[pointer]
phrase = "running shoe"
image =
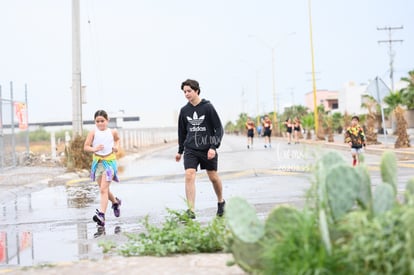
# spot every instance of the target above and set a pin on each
(220, 208)
(115, 207)
(99, 218)
(354, 162)
(190, 214)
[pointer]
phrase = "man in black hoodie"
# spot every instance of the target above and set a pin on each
(199, 135)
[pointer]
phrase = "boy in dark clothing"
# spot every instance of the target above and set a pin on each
(199, 135)
(355, 137)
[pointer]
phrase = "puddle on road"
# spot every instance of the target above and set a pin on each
(55, 224)
(62, 244)
(44, 227)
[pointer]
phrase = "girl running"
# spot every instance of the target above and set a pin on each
(103, 142)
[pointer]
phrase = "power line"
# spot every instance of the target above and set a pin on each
(391, 53)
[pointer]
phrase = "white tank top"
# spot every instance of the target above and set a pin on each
(103, 137)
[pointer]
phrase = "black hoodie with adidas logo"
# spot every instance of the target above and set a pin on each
(199, 127)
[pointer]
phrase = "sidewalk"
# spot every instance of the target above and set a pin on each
(208, 263)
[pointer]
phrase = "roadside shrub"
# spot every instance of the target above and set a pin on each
(178, 234)
(75, 156)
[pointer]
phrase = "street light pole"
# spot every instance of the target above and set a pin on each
(257, 90)
(315, 107)
(76, 71)
(274, 93)
(257, 98)
(272, 48)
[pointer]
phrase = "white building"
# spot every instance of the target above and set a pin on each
(350, 98)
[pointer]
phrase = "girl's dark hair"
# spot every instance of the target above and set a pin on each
(355, 117)
(101, 113)
(192, 83)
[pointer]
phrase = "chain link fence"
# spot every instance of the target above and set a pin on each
(13, 128)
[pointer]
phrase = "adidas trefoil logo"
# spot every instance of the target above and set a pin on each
(196, 121)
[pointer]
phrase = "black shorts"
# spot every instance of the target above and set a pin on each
(250, 133)
(267, 132)
(193, 158)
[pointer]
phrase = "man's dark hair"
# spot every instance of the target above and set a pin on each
(355, 117)
(192, 83)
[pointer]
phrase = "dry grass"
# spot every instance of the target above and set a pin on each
(73, 157)
(41, 147)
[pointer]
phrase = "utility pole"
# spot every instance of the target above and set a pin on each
(76, 72)
(315, 106)
(276, 126)
(1, 132)
(257, 97)
(390, 51)
(27, 119)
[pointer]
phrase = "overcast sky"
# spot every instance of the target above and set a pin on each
(135, 53)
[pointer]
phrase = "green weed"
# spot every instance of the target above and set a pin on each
(178, 234)
(107, 246)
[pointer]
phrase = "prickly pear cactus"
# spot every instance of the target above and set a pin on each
(242, 220)
(331, 158)
(324, 229)
(364, 194)
(383, 199)
(342, 186)
(247, 233)
(281, 220)
(325, 163)
(389, 169)
(407, 219)
(322, 167)
(409, 192)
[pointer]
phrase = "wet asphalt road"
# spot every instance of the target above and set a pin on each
(55, 224)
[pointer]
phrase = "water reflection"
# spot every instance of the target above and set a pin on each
(50, 225)
(101, 231)
(81, 194)
(27, 248)
(16, 248)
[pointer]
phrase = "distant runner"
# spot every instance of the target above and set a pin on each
(250, 132)
(267, 128)
(355, 137)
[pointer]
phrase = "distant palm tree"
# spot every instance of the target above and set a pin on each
(322, 125)
(374, 109)
(408, 92)
(371, 104)
(308, 124)
(337, 122)
(241, 123)
(295, 111)
(393, 100)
